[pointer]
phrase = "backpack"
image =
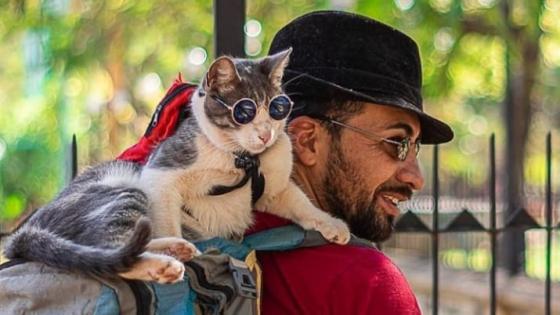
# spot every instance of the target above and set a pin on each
(225, 280)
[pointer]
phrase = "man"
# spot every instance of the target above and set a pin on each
(356, 128)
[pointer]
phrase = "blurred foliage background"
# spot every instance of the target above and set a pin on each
(97, 69)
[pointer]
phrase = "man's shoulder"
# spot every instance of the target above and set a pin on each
(330, 256)
(331, 279)
(361, 259)
(336, 279)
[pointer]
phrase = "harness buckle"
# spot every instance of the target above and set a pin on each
(243, 279)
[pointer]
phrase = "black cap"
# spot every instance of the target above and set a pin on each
(354, 54)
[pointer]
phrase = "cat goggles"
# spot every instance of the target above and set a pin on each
(245, 110)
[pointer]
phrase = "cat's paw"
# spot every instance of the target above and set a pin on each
(182, 250)
(334, 230)
(174, 246)
(167, 270)
(156, 267)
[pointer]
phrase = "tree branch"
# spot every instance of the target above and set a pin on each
(478, 25)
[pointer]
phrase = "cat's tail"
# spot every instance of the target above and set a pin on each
(40, 245)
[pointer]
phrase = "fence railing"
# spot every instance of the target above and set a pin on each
(466, 222)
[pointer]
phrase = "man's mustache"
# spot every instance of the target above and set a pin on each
(398, 189)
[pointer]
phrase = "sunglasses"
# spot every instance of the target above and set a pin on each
(401, 148)
(244, 110)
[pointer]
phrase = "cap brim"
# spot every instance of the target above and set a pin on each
(433, 130)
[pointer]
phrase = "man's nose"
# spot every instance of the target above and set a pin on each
(409, 173)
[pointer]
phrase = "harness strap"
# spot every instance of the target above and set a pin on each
(250, 164)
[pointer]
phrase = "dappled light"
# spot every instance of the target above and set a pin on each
(97, 70)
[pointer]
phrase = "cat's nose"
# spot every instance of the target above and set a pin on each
(265, 136)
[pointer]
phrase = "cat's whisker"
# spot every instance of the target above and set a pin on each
(296, 108)
(295, 93)
(293, 79)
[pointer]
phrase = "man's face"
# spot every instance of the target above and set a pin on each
(364, 180)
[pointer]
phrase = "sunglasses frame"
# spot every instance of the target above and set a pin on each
(403, 146)
(232, 107)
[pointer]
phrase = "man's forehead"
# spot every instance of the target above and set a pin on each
(382, 117)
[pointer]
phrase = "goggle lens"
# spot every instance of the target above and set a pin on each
(244, 111)
(279, 107)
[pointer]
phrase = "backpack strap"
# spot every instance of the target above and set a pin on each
(291, 237)
(276, 239)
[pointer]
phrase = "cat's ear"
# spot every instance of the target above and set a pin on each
(276, 64)
(221, 74)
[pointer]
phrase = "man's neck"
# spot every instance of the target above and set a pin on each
(310, 187)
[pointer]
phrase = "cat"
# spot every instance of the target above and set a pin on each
(131, 220)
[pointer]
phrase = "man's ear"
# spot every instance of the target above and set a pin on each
(305, 133)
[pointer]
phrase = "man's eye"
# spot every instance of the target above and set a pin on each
(397, 139)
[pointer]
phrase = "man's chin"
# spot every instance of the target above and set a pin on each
(382, 233)
(385, 232)
(372, 226)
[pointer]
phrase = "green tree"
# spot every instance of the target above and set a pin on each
(104, 65)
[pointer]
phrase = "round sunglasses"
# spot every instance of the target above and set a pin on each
(244, 110)
(401, 148)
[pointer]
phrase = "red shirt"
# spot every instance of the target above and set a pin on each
(331, 279)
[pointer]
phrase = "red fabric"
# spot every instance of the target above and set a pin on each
(168, 112)
(330, 279)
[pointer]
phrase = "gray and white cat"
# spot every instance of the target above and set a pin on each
(122, 218)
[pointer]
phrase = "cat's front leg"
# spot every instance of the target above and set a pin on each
(165, 202)
(293, 204)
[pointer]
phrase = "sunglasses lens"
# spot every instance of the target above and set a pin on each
(244, 111)
(403, 149)
(280, 107)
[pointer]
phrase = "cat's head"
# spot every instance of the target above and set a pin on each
(244, 106)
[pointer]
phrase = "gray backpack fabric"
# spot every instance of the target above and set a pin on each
(210, 287)
(33, 288)
(224, 280)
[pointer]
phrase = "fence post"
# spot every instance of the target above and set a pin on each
(492, 230)
(548, 227)
(435, 232)
(229, 21)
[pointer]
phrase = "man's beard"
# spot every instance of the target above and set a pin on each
(347, 198)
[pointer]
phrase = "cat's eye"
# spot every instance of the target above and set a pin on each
(280, 107)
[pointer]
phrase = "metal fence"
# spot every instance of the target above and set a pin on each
(466, 222)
